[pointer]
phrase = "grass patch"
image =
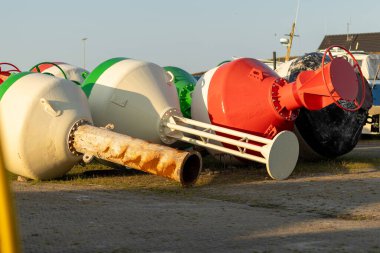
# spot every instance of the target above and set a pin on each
(341, 216)
(337, 166)
(215, 173)
(128, 179)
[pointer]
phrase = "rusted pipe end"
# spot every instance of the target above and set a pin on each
(191, 169)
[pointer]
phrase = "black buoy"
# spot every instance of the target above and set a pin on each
(329, 132)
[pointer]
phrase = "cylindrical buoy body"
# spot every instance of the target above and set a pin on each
(230, 95)
(234, 95)
(181, 166)
(37, 112)
(133, 95)
(73, 73)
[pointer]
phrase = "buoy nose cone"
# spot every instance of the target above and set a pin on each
(344, 78)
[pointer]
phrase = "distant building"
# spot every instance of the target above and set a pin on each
(367, 42)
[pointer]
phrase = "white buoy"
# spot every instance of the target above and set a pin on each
(46, 129)
(140, 99)
(62, 70)
(37, 112)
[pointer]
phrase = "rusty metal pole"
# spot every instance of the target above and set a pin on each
(180, 166)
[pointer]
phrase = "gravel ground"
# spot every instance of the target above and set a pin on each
(324, 213)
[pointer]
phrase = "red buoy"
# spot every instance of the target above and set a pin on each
(248, 96)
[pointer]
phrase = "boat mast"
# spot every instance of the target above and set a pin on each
(291, 35)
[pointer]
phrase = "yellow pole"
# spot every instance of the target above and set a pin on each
(9, 240)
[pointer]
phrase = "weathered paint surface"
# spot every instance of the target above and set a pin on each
(137, 154)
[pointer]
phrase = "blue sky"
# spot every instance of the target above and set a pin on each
(195, 35)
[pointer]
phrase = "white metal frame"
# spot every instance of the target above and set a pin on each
(280, 154)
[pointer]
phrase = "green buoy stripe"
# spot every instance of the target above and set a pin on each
(185, 84)
(11, 80)
(91, 79)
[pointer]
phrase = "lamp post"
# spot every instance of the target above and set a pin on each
(84, 52)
